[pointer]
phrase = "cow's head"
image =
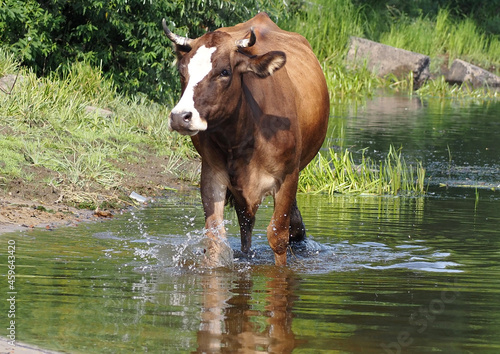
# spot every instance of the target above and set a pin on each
(211, 69)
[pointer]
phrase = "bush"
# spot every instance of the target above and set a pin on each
(123, 37)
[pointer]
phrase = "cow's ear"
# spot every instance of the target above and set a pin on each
(266, 64)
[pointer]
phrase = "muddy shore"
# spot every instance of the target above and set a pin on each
(20, 214)
(25, 205)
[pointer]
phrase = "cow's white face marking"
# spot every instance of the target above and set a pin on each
(199, 67)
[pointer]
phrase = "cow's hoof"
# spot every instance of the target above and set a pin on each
(217, 253)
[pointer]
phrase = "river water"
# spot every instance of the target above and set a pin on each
(376, 275)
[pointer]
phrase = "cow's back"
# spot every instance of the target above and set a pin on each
(305, 73)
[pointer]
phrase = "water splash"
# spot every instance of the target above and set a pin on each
(188, 252)
(194, 251)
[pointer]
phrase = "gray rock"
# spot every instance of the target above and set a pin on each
(384, 60)
(8, 82)
(463, 72)
(105, 113)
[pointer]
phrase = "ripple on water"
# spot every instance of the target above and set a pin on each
(187, 252)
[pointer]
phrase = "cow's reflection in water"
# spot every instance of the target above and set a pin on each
(232, 318)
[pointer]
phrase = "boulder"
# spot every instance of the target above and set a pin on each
(463, 72)
(8, 82)
(384, 60)
(101, 112)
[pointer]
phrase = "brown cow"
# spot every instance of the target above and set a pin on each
(255, 103)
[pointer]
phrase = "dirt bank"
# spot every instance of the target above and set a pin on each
(35, 203)
(21, 214)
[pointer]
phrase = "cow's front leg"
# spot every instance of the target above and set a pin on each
(278, 231)
(213, 195)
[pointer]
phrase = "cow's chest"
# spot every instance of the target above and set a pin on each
(254, 178)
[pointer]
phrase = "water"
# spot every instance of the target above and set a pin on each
(457, 141)
(377, 274)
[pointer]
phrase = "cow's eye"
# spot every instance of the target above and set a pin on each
(225, 73)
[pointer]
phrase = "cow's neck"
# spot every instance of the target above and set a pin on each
(236, 134)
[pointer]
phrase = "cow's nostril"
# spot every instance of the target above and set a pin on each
(186, 116)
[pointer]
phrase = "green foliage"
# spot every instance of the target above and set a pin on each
(381, 13)
(122, 37)
(338, 173)
(26, 28)
(444, 36)
(55, 123)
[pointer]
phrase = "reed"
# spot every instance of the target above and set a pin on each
(444, 36)
(327, 25)
(441, 89)
(337, 172)
(346, 84)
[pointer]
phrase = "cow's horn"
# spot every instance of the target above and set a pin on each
(247, 42)
(179, 40)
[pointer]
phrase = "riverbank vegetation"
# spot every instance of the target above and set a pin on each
(77, 133)
(438, 34)
(337, 172)
(92, 85)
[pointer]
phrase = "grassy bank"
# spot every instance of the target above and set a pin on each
(76, 132)
(445, 39)
(77, 136)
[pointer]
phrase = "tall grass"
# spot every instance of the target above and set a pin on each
(345, 84)
(8, 63)
(327, 25)
(338, 173)
(444, 36)
(46, 122)
(441, 89)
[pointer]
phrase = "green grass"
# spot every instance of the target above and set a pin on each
(338, 173)
(443, 36)
(45, 122)
(8, 64)
(11, 158)
(327, 25)
(346, 84)
(440, 88)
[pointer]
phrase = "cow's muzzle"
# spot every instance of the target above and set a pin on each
(186, 123)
